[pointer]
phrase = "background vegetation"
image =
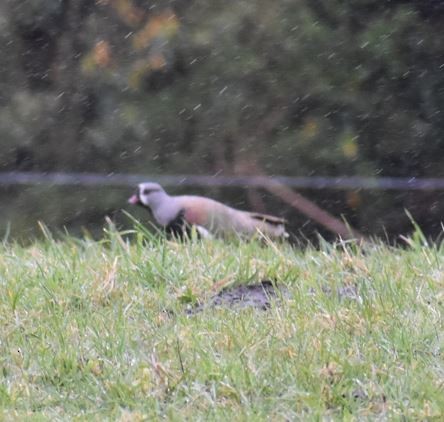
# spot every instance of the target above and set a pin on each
(308, 87)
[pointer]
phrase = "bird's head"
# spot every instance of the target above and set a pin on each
(148, 195)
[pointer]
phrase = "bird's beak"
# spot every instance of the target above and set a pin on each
(134, 200)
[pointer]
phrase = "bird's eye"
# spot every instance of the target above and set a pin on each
(147, 191)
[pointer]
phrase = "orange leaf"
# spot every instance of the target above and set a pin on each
(102, 54)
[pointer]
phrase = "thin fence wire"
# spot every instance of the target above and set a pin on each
(313, 182)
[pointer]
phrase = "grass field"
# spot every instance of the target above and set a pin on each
(98, 330)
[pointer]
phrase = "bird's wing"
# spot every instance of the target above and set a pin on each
(218, 218)
(197, 210)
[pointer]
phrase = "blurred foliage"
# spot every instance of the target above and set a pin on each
(309, 87)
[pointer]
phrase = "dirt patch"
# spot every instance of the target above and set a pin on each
(258, 295)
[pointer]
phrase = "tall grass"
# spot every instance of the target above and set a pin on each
(98, 330)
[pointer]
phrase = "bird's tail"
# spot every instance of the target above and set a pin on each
(270, 224)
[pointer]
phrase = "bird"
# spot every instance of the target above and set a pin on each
(178, 214)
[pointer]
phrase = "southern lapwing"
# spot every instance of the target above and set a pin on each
(177, 214)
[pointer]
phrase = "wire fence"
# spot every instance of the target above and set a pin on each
(311, 182)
